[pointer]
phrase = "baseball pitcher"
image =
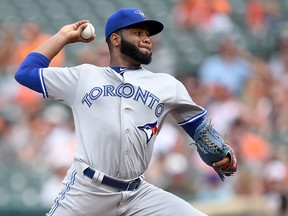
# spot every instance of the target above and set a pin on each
(118, 111)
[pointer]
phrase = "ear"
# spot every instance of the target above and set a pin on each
(115, 39)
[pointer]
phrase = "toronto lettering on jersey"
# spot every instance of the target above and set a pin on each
(125, 90)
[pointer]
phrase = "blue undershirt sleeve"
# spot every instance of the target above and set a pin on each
(191, 125)
(28, 72)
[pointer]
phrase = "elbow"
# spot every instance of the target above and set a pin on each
(25, 74)
(19, 75)
(28, 72)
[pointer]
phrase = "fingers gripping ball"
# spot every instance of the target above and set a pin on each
(212, 148)
(232, 168)
(88, 32)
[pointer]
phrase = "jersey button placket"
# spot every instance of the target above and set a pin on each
(126, 111)
(125, 131)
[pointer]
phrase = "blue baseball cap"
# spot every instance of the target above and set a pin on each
(126, 17)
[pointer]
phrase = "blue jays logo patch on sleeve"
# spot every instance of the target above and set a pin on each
(150, 129)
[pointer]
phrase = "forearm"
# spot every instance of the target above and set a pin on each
(51, 47)
(191, 124)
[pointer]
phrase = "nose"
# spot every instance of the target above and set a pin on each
(147, 40)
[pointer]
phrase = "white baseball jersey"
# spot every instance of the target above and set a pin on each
(117, 116)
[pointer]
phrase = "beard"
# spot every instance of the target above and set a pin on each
(132, 51)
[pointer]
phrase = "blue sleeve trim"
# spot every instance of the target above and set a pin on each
(191, 124)
(192, 119)
(30, 72)
(45, 93)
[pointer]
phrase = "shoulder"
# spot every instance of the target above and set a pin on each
(164, 81)
(78, 70)
(160, 76)
(88, 66)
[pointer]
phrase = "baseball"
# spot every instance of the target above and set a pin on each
(88, 32)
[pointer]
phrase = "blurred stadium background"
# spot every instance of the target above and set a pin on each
(22, 177)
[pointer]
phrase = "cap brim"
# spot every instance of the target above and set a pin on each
(154, 27)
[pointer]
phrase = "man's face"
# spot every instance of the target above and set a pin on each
(140, 51)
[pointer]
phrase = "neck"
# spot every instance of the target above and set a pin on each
(124, 61)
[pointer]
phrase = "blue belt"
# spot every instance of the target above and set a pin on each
(115, 183)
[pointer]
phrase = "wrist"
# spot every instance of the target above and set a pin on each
(60, 38)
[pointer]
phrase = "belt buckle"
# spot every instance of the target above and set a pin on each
(133, 181)
(127, 188)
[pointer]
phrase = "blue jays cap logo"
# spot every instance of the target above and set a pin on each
(141, 13)
(150, 129)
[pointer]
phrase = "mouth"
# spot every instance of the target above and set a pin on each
(145, 49)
